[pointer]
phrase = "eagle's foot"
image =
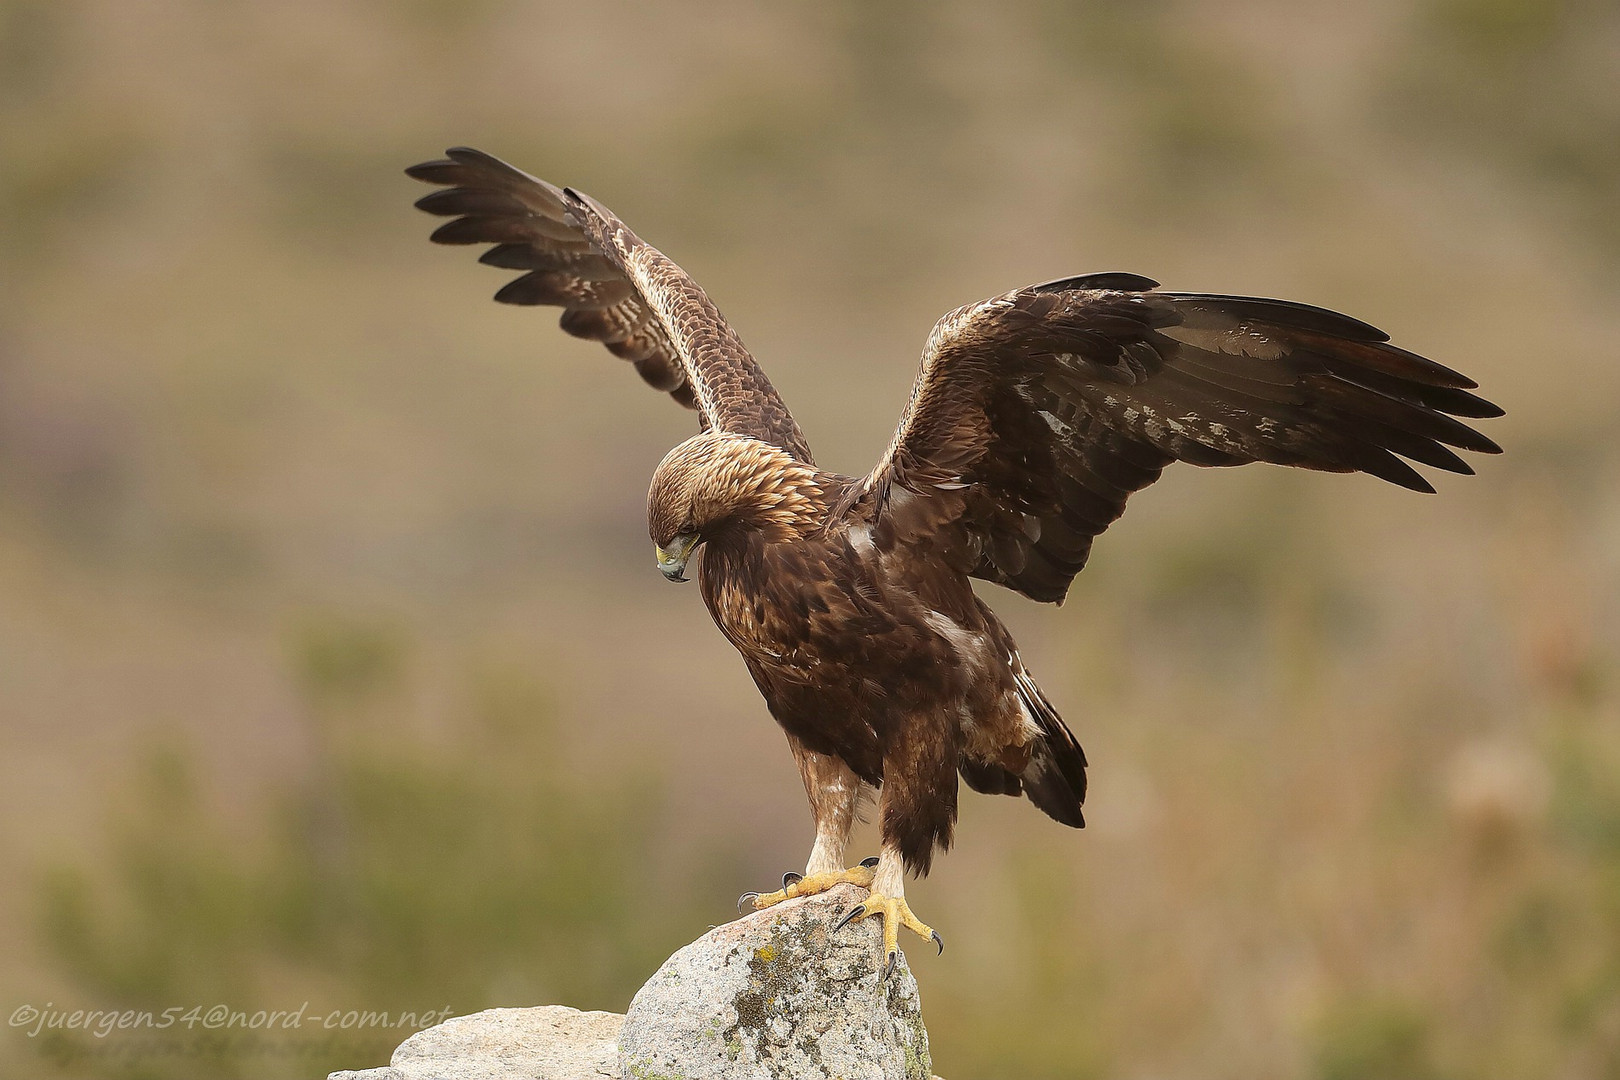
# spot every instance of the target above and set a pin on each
(896, 913)
(795, 885)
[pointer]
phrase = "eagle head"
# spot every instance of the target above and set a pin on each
(716, 484)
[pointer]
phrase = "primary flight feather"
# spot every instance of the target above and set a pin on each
(1034, 417)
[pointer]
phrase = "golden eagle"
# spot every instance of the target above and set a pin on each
(1035, 416)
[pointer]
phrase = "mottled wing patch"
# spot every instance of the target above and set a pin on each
(730, 387)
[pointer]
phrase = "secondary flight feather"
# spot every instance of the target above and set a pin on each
(1034, 417)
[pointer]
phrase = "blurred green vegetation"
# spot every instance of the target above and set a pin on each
(1375, 1041)
(397, 876)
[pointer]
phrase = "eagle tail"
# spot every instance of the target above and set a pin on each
(1055, 778)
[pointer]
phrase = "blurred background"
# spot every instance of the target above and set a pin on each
(333, 663)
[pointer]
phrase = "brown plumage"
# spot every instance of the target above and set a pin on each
(1035, 416)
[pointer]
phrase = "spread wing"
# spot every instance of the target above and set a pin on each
(612, 287)
(1037, 414)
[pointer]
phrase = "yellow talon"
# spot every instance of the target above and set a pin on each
(896, 913)
(816, 883)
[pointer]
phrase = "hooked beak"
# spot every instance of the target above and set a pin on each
(672, 560)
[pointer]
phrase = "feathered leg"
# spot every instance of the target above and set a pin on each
(917, 812)
(835, 795)
(888, 899)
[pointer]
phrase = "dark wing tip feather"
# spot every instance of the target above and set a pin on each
(1379, 462)
(428, 171)
(477, 159)
(433, 202)
(513, 257)
(462, 231)
(460, 200)
(525, 291)
(1462, 403)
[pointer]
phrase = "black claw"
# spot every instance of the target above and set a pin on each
(888, 966)
(853, 913)
(745, 898)
(870, 862)
(939, 941)
(790, 878)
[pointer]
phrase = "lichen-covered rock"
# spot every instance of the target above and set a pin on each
(779, 996)
(550, 1042)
